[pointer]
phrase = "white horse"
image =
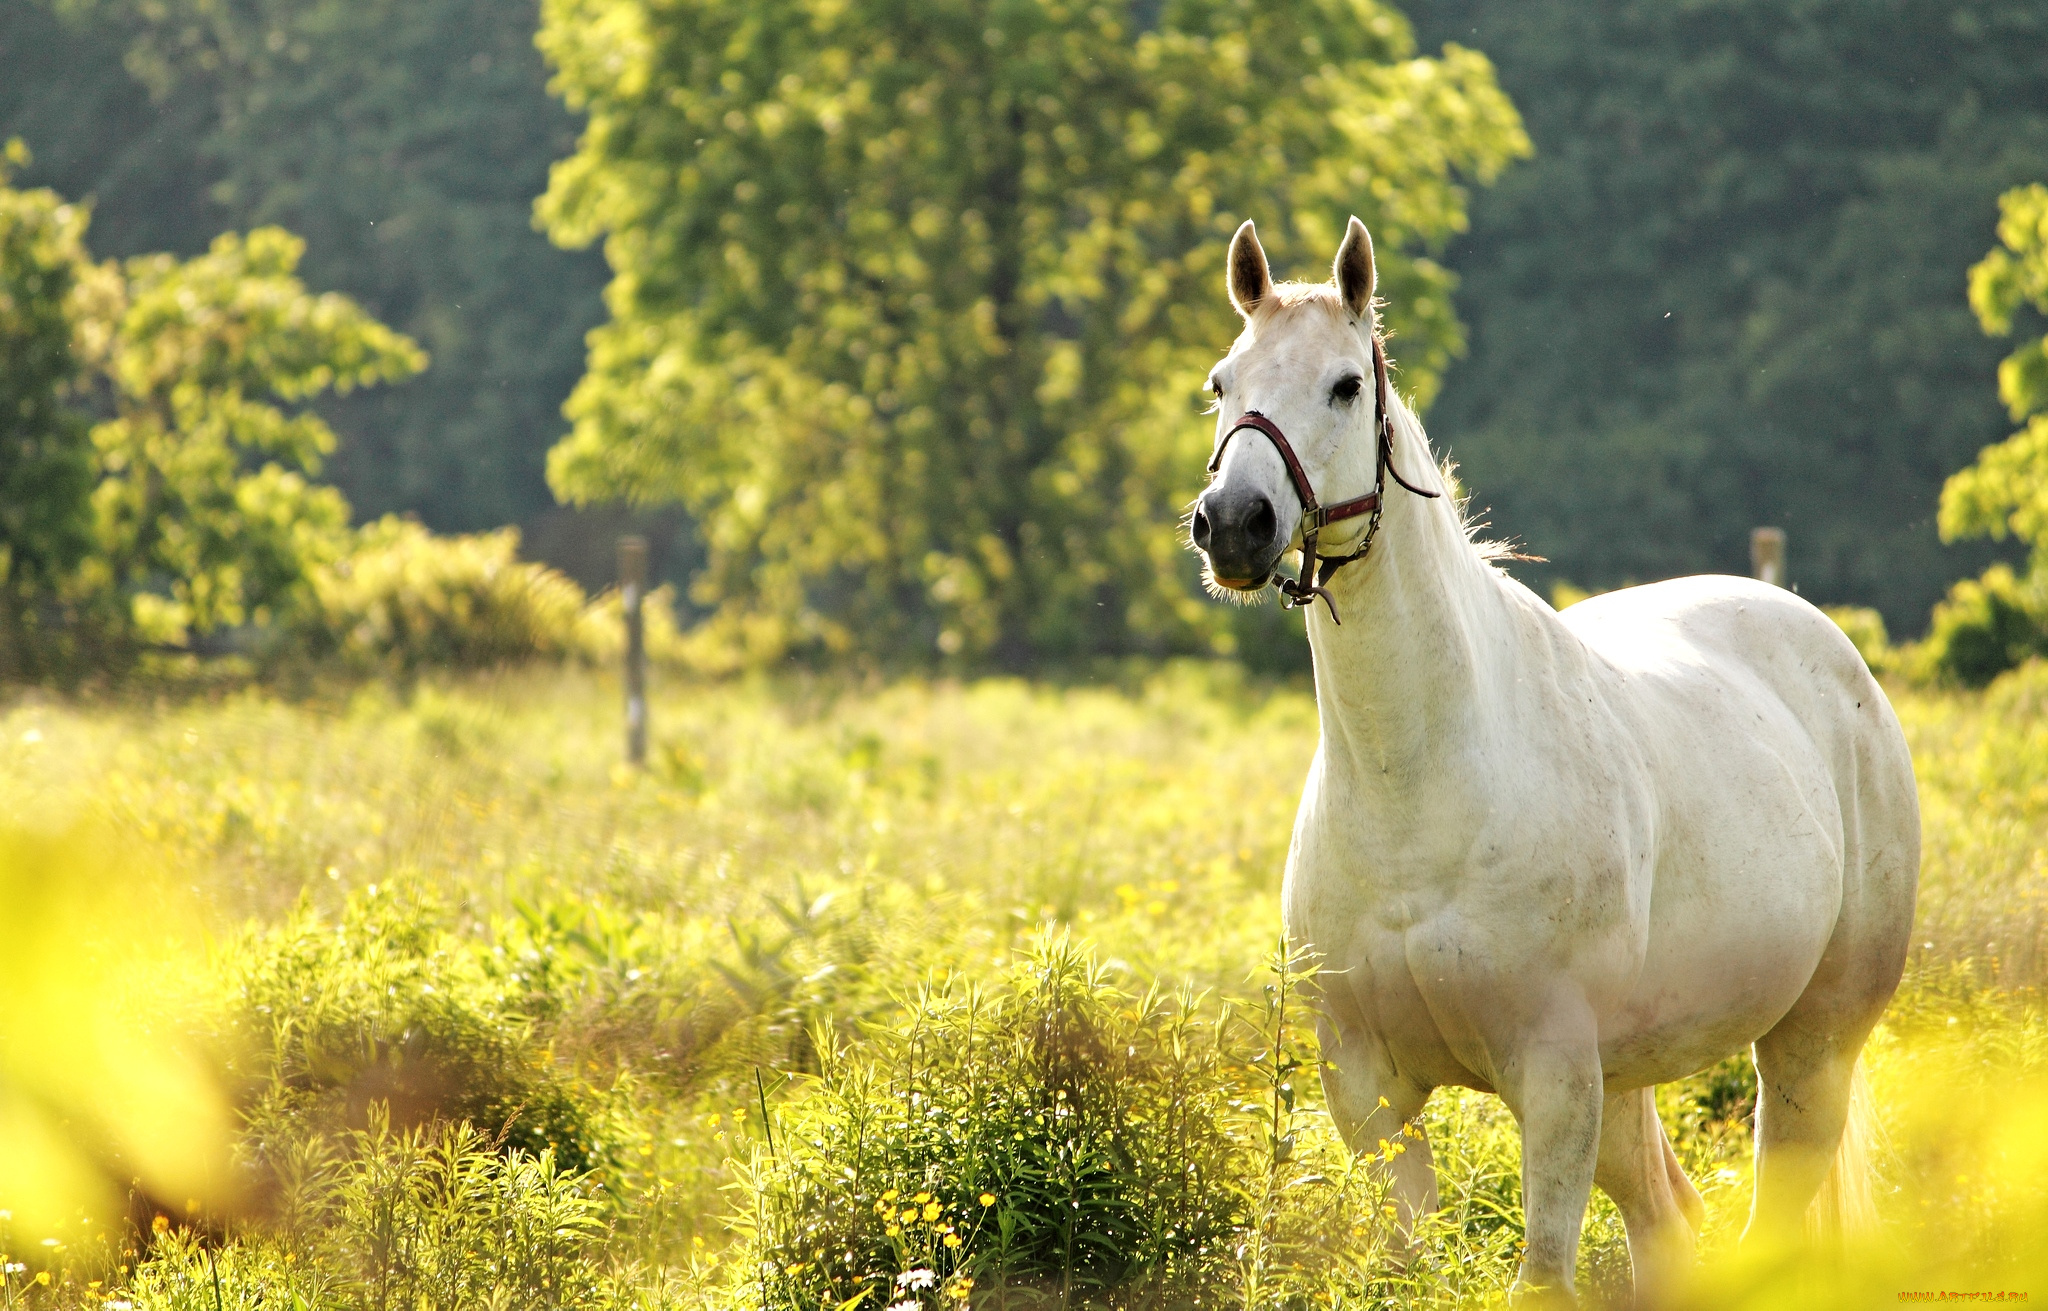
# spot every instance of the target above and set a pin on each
(1560, 857)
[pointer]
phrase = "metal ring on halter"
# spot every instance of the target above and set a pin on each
(1316, 569)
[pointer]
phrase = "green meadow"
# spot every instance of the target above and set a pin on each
(859, 995)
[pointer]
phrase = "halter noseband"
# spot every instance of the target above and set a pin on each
(1316, 569)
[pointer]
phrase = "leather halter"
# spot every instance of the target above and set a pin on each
(1316, 569)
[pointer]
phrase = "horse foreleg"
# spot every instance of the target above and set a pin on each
(1658, 1205)
(1554, 1089)
(1372, 1104)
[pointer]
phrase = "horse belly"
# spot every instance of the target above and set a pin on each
(1746, 893)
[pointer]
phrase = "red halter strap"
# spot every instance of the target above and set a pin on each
(1316, 569)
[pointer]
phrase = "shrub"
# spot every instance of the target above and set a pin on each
(1986, 626)
(1864, 627)
(407, 598)
(422, 1218)
(1056, 1138)
(388, 1013)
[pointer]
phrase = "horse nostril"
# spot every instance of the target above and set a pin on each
(1199, 529)
(1260, 525)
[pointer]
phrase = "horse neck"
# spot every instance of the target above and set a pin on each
(1401, 674)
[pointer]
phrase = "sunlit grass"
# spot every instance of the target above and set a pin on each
(454, 904)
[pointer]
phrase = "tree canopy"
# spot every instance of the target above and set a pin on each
(157, 439)
(404, 142)
(911, 303)
(45, 455)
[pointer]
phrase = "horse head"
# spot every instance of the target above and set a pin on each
(1303, 374)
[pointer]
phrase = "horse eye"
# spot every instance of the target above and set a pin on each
(1216, 389)
(1346, 389)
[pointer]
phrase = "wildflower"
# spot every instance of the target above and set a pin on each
(12, 1268)
(892, 1230)
(988, 1199)
(922, 1198)
(43, 1278)
(909, 1214)
(931, 1210)
(891, 1195)
(952, 1240)
(907, 1304)
(915, 1279)
(960, 1288)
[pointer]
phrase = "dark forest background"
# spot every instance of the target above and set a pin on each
(1728, 290)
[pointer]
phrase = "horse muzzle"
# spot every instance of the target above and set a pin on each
(1239, 534)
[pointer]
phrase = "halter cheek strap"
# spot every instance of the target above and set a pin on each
(1316, 569)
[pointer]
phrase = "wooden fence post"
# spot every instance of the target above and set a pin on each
(1767, 555)
(633, 590)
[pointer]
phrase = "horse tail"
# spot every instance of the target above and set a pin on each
(1846, 1203)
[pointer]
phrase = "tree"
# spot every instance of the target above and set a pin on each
(45, 454)
(203, 515)
(1725, 292)
(911, 302)
(404, 141)
(2006, 490)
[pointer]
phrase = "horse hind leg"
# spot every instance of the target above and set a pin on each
(1659, 1206)
(1807, 1087)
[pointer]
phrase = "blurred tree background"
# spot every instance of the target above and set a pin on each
(1728, 289)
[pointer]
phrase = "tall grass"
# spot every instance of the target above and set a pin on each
(504, 1023)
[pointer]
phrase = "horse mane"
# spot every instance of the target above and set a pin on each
(1459, 501)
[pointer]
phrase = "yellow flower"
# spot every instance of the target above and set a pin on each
(891, 1195)
(931, 1210)
(922, 1198)
(160, 1225)
(909, 1214)
(988, 1199)
(893, 1230)
(43, 1278)
(952, 1240)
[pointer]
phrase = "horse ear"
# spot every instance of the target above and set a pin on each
(1250, 280)
(1354, 270)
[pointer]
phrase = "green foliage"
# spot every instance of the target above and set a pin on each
(1988, 625)
(405, 599)
(388, 1011)
(45, 454)
(404, 141)
(1062, 1141)
(2008, 278)
(388, 1219)
(1725, 291)
(2006, 490)
(1865, 627)
(205, 518)
(911, 302)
